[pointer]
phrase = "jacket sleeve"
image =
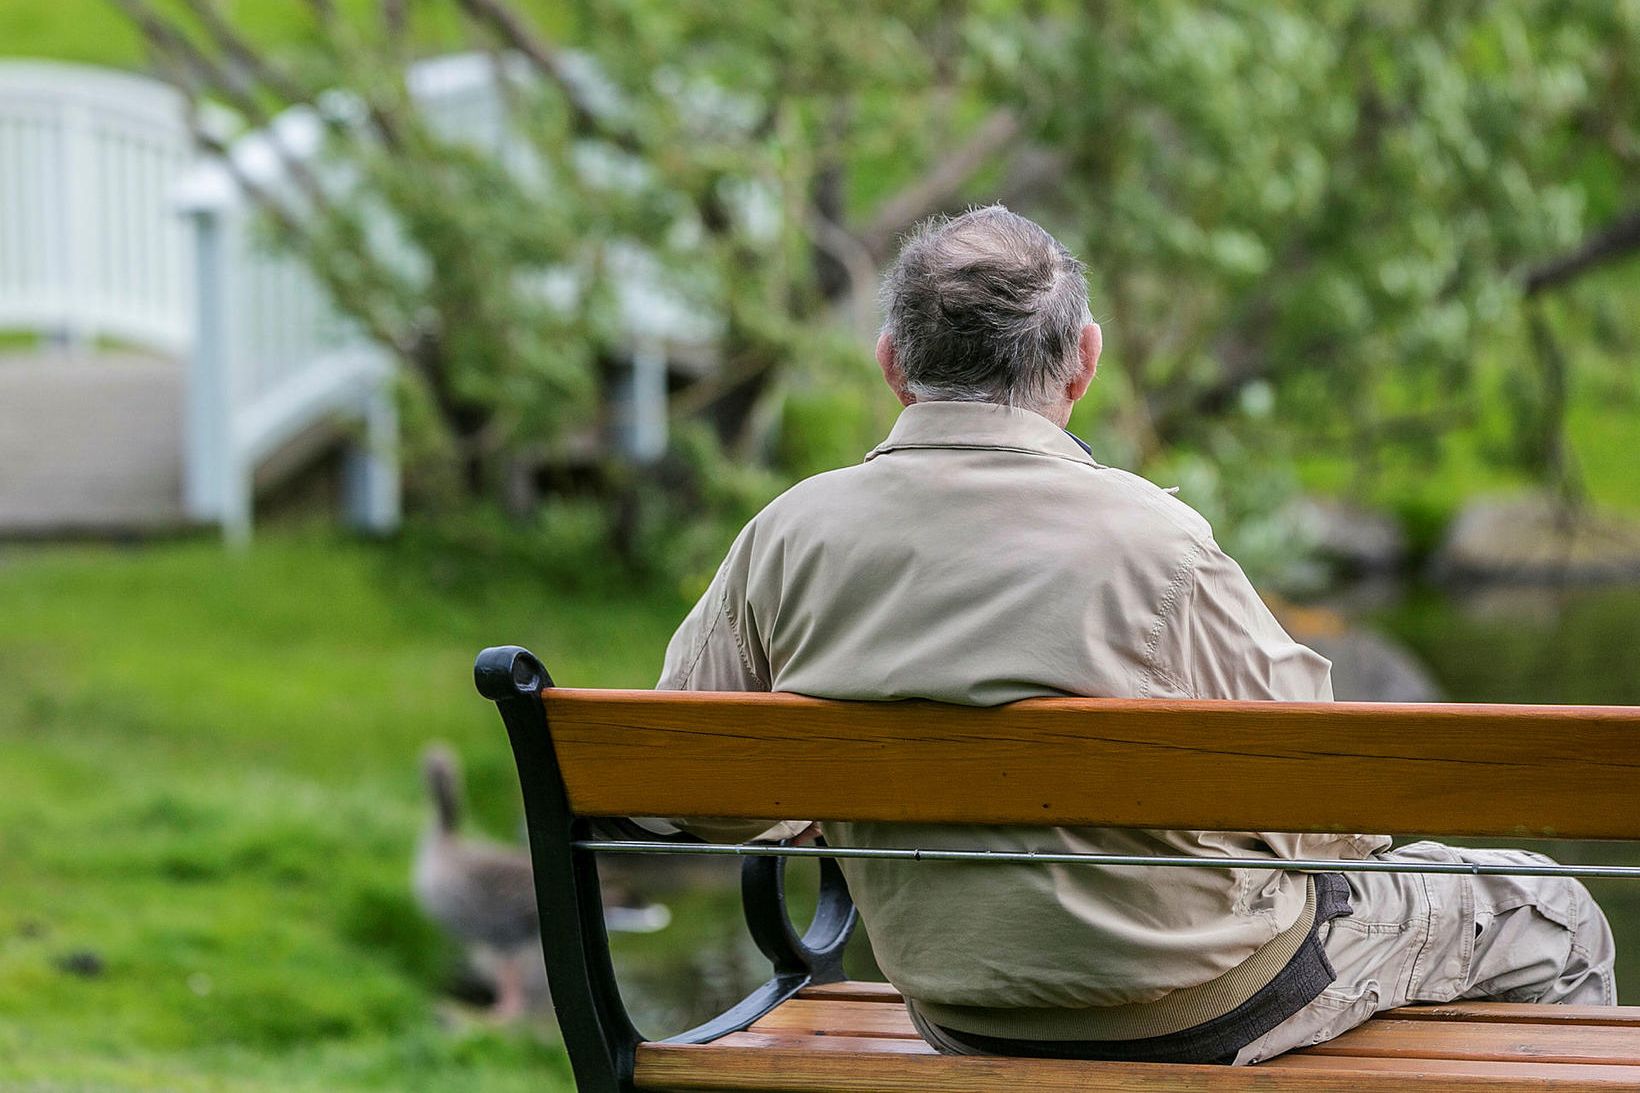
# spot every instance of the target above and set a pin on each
(707, 653)
(1221, 641)
(1224, 643)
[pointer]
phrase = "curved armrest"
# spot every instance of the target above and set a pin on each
(815, 956)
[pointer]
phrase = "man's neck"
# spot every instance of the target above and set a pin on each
(1060, 415)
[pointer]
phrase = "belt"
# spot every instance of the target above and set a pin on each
(1140, 1032)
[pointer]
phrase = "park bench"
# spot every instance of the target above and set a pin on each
(589, 758)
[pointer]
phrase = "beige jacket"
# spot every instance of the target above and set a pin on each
(979, 556)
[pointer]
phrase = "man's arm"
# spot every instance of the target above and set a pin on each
(1226, 643)
(708, 653)
(1222, 642)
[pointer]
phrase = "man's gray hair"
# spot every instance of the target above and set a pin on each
(985, 307)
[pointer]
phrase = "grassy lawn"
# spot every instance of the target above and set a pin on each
(210, 796)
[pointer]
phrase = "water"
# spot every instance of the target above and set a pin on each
(1555, 645)
(1533, 645)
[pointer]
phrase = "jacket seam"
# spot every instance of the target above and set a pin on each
(1170, 597)
(706, 637)
(740, 644)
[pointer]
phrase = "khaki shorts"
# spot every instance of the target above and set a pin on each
(1416, 937)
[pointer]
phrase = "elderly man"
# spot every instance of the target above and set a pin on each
(980, 555)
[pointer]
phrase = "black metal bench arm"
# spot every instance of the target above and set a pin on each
(598, 1033)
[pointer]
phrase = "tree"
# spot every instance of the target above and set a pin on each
(1340, 212)
(1345, 204)
(720, 136)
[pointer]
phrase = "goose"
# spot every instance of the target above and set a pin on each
(483, 894)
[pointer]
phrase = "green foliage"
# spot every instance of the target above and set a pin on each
(69, 30)
(683, 514)
(831, 427)
(1329, 206)
(1247, 494)
(835, 408)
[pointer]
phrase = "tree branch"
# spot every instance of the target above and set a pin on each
(230, 42)
(197, 74)
(940, 187)
(1617, 240)
(550, 63)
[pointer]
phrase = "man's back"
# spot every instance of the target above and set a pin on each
(985, 557)
(980, 556)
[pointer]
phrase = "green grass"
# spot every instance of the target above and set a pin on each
(95, 32)
(210, 791)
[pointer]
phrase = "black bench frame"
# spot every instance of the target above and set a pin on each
(598, 1033)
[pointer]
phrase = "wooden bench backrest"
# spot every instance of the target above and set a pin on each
(1552, 771)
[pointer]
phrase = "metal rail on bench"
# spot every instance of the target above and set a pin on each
(644, 843)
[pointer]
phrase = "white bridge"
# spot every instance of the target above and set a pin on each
(114, 232)
(188, 353)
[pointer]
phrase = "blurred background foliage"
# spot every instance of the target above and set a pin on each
(1344, 252)
(1363, 249)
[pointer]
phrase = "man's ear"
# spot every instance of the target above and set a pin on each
(892, 375)
(1088, 347)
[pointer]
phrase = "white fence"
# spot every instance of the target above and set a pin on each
(89, 244)
(111, 226)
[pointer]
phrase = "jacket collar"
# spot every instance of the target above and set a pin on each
(981, 425)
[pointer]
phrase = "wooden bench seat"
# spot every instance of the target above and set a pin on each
(587, 759)
(857, 1036)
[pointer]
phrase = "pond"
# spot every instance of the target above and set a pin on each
(1520, 644)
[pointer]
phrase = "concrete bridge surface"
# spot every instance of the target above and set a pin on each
(90, 443)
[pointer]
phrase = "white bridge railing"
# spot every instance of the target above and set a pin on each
(113, 227)
(271, 357)
(90, 245)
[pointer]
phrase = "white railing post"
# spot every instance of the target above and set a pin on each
(78, 207)
(205, 443)
(98, 163)
(645, 433)
(372, 468)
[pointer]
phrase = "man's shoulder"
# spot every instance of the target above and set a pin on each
(805, 503)
(841, 486)
(1162, 505)
(1106, 496)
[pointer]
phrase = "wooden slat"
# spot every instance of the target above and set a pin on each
(1387, 1038)
(802, 1070)
(857, 1036)
(860, 1045)
(853, 990)
(1516, 1013)
(1530, 1074)
(1453, 769)
(1382, 1037)
(837, 1018)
